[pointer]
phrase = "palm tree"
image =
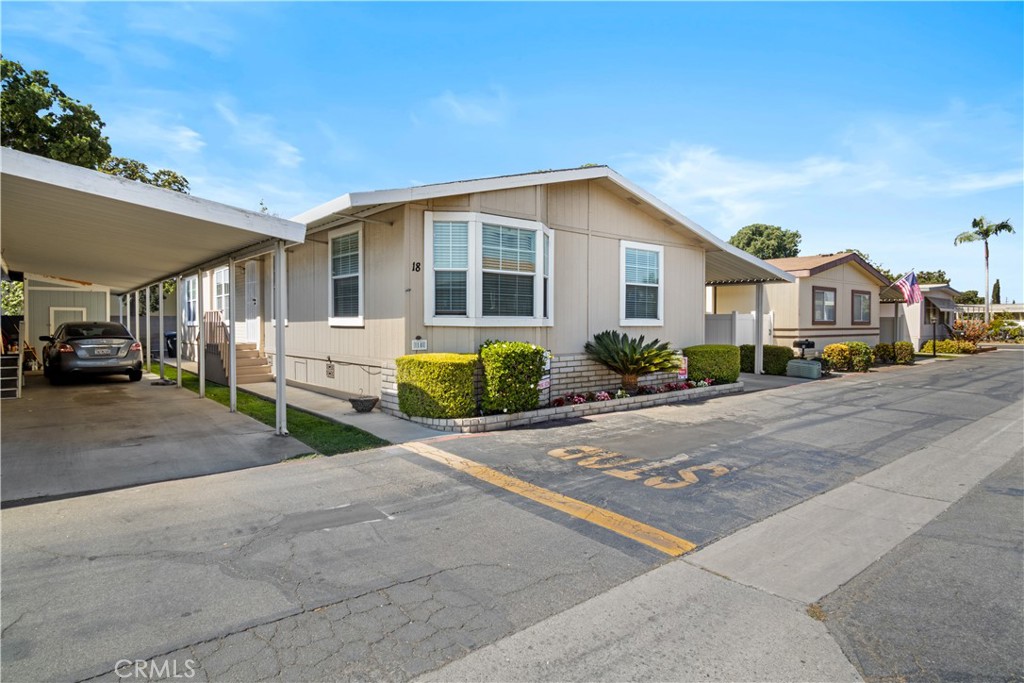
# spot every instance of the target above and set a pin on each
(982, 230)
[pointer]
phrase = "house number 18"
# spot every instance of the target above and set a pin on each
(415, 266)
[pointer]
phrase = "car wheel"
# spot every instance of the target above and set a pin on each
(135, 375)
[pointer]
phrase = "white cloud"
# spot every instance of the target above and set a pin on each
(255, 131)
(196, 25)
(474, 109)
(950, 155)
(149, 129)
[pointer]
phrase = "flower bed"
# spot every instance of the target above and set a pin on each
(653, 396)
(575, 399)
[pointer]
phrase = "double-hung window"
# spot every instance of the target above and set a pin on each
(221, 291)
(824, 312)
(346, 269)
(190, 285)
(486, 270)
(641, 294)
(861, 308)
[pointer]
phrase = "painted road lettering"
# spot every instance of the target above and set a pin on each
(652, 474)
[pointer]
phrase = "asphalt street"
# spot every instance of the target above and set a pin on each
(386, 565)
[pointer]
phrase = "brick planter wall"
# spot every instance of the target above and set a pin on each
(569, 373)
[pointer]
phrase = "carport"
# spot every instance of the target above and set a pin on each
(74, 223)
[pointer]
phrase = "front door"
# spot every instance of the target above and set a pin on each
(252, 302)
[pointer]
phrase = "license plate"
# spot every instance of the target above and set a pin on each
(101, 352)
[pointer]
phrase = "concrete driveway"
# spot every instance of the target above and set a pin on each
(109, 433)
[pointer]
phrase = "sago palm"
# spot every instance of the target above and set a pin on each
(981, 231)
(630, 357)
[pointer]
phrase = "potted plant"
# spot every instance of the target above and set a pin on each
(363, 403)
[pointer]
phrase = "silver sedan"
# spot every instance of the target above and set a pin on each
(91, 348)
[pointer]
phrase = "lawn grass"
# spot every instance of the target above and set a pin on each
(325, 437)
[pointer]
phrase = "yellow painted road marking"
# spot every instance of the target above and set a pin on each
(624, 526)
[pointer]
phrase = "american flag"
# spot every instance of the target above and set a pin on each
(908, 286)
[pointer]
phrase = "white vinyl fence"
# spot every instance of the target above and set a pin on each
(736, 328)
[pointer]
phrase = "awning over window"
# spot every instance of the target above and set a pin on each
(944, 305)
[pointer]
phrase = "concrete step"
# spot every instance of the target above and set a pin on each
(252, 377)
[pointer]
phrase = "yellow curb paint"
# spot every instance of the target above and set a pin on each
(606, 519)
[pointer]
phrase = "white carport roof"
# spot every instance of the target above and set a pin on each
(724, 263)
(79, 224)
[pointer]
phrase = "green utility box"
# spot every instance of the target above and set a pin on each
(808, 369)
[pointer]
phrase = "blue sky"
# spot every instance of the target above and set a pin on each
(883, 127)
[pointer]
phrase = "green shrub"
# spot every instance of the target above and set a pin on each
(838, 356)
(631, 357)
(775, 358)
(720, 362)
(861, 358)
(903, 351)
(437, 385)
(884, 353)
(746, 357)
(511, 373)
(949, 346)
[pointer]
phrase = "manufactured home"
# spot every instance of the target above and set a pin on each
(550, 258)
(833, 298)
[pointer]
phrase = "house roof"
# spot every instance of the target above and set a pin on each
(806, 266)
(724, 263)
(76, 223)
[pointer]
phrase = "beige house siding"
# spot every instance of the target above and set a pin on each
(793, 307)
(588, 224)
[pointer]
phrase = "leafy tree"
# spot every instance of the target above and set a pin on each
(932, 277)
(40, 119)
(12, 298)
(981, 230)
(767, 241)
(996, 293)
(878, 266)
(969, 297)
(136, 170)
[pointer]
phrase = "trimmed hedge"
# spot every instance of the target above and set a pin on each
(511, 373)
(884, 353)
(720, 362)
(861, 358)
(903, 351)
(837, 355)
(775, 358)
(437, 385)
(950, 346)
(851, 355)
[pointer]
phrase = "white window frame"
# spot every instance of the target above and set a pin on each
(347, 321)
(474, 275)
(641, 322)
(191, 286)
(227, 291)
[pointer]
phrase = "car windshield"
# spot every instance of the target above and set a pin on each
(96, 330)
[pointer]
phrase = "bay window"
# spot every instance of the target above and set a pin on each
(486, 270)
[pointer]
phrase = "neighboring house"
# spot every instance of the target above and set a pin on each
(550, 258)
(834, 298)
(917, 323)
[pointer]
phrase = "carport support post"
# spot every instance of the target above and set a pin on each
(180, 340)
(759, 328)
(232, 351)
(149, 329)
(162, 341)
(138, 337)
(201, 345)
(280, 378)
